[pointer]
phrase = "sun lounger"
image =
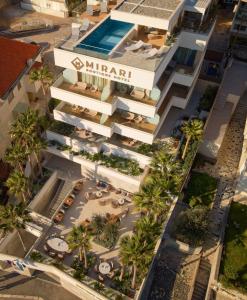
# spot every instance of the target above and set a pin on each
(135, 46)
(163, 50)
(75, 30)
(150, 53)
(103, 6)
(85, 25)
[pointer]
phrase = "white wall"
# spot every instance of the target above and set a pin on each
(139, 77)
(54, 8)
(133, 133)
(68, 282)
(40, 200)
(83, 101)
(82, 123)
(93, 169)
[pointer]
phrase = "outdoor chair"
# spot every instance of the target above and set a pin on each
(138, 93)
(94, 88)
(102, 202)
(114, 204)
(52, 254)
(111, 274)
(82, 85)
(60, 256)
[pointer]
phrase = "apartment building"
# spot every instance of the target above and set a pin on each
(239, 24)
(16, 90)
(56, 8)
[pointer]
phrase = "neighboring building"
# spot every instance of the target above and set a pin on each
(16, 91)
(239, 24)
(56, 8)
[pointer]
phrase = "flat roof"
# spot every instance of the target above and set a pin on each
(13, 61)
(198, 3)
(162, 9)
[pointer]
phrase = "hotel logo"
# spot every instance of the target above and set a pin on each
(77, 63)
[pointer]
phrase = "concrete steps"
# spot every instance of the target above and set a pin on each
(201, 283)
(63, 191)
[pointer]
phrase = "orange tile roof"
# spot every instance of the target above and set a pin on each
(13, 61)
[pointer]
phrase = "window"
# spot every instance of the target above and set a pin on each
(79, 76)
(19, 85)
(10, 97)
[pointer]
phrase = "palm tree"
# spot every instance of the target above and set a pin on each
(79, 238)
(14, 217)
(25, 132)
(43, 75)
(24, 127)
(18, 184)
(135, 251)
(151, 199)
(165, 164)
(193, 130)
(147, 225)
(16, 157)
(38, 144)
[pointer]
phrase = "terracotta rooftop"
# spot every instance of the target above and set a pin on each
(13, 60)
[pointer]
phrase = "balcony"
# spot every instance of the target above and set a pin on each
(87, 119)
(83, 95)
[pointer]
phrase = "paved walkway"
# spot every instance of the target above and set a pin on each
(229, 94)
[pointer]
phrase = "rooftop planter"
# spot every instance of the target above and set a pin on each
(123, 165)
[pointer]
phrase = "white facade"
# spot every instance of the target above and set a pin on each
(160, 82)
(56, 8)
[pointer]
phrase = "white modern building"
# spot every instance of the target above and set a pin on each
(56, 8)
(124, 74)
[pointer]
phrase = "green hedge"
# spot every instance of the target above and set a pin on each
(233, 270)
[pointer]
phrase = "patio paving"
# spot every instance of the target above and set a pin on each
(83, 209)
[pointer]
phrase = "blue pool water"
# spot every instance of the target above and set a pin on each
(105, 37)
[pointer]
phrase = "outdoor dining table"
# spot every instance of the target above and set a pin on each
(104, 268)
(121, 201)
(58, 244)
(98, 194)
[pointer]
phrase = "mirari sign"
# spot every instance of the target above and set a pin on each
(102, 70)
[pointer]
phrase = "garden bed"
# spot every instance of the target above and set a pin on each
(233, 271)
(200, 190)
(123, 165)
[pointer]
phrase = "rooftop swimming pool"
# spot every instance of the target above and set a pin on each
(104, 38)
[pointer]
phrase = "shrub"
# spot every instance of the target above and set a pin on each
(53, 103)
(201, 189)
(192, 226)
(208, 97)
